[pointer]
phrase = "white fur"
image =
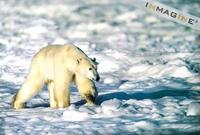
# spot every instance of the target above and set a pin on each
(58, 66)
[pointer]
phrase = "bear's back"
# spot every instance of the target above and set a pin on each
(52, 56)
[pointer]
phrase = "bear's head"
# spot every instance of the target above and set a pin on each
(88, 68)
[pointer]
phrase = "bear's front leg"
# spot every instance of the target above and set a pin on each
(62, 94)
(87, 89)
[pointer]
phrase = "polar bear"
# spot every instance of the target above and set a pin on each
(58, 66)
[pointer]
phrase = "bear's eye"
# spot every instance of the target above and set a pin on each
(90, 68)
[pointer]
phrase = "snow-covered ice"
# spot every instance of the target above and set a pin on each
(110, 106)
(149, 67)
(193, 109)
(72, 115)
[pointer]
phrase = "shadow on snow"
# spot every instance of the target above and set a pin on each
(165, 91)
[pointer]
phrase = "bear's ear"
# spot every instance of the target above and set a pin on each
(94, 60)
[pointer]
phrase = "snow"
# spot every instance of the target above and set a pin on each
(110, 106)
(144, 125)
(149, 68)
(75, 115)
(193, 109)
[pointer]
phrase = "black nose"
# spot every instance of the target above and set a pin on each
(98, 78)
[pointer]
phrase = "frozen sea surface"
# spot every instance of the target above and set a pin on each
(149, 67)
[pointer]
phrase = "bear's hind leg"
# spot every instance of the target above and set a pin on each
(53, 103)
(30, 88)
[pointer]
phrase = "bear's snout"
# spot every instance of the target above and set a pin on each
(97, 78)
